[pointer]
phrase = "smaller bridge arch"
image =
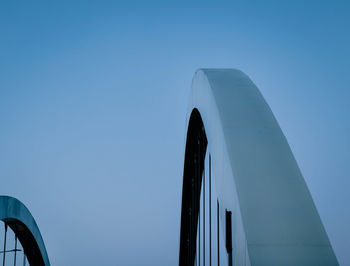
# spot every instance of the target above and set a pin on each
(16, 215)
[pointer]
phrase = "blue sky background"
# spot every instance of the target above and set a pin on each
(93, 98)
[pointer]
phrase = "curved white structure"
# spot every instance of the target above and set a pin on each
(238, 162)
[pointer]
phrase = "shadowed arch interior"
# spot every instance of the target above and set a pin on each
(31, 248)
(196, 145)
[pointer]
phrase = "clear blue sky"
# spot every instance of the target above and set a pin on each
(93, 98)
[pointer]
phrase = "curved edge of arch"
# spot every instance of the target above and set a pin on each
(14, 213)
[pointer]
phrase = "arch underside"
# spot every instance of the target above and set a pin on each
(275, 221)
(22, 223)
(196, 146)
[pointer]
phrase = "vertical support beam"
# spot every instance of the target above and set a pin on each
(204, 236)
(198, 196)
(229, 236)
(14, 263)
(3, 258)
(200, 180)
(218, 228)
(209, 210)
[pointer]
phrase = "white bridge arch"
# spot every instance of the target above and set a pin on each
(256, 177)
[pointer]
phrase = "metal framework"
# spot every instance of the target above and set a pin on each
(264, 208)
(16, 216)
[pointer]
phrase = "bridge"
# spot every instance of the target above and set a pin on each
(28, 244)
(244, 199)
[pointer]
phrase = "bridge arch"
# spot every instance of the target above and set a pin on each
(16, 215)
(257, 181)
